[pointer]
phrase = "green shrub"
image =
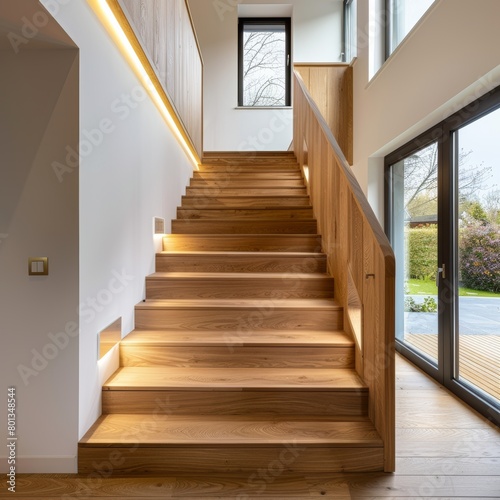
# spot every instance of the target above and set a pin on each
(429, 305)
(480, 257)
(422, 248)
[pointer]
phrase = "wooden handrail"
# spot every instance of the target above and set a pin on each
(330, 85)
(359, 257)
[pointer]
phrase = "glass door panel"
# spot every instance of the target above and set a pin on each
(443, 220)
(477, 336)
(415, 243)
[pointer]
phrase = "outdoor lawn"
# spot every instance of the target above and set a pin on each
(428, 287)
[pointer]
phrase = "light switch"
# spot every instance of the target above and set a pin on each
(38, 266)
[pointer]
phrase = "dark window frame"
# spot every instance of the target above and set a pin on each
(287, 23)
(389, 29)
(349, 9)
(444, 133)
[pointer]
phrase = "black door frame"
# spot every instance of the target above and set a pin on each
(444, 134)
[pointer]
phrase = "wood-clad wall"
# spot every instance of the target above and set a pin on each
(330, 85)
(360, 258)
(165, 31)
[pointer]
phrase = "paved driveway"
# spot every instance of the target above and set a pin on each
(478, 316)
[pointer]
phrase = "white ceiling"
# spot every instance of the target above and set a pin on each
(265, 10)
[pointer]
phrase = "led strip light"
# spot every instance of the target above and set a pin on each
(109, 13)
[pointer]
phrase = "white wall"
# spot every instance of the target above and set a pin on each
(39, 218)
(316, 32)
(133, 171)
(450, 59)
(136, 172)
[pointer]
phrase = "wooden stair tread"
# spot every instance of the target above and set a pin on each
(254, 208)
(249, 200)
(244, 226)
(288, 212)
(165, 430)
(247, 183)
(222, 236)
(235, 169)
(253, 339)
(284, 304)
(228, 254)
(277, 220)
(274, 175)
(217, 192)
(161, 377)
(221, 186)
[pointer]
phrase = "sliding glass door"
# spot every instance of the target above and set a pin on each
(414, 239)
(477, 351)
(443, 220)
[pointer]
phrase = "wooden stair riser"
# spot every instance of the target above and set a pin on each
(236, 243)
(205, 202)
(245, 213)
(245, 184)
(265, 191)
(276, 176)
(248, 287)
(233, 356)
(235, 320)
(240, 263)
(244, 227)
(250, 169)
(140, 460)
(329, 404)
(249, 159)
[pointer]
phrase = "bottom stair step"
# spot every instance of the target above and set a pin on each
(163, 444)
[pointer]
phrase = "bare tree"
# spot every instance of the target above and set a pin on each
(264, 68)
(492, 205)
(421, 180)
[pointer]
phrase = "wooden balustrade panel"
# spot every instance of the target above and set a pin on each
(166, 34)
(330, 85)
(355, 245)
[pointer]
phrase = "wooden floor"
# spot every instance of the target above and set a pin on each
(479, 358)
(444, 450)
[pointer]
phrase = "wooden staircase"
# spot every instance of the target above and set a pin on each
(239, 360)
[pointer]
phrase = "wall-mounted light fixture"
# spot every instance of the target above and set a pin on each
(158, 225)
(108, 338)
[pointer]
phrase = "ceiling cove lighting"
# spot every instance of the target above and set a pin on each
(113, 19)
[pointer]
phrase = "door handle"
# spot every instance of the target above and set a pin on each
(442, 271)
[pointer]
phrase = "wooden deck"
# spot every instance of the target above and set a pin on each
(479, 358)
